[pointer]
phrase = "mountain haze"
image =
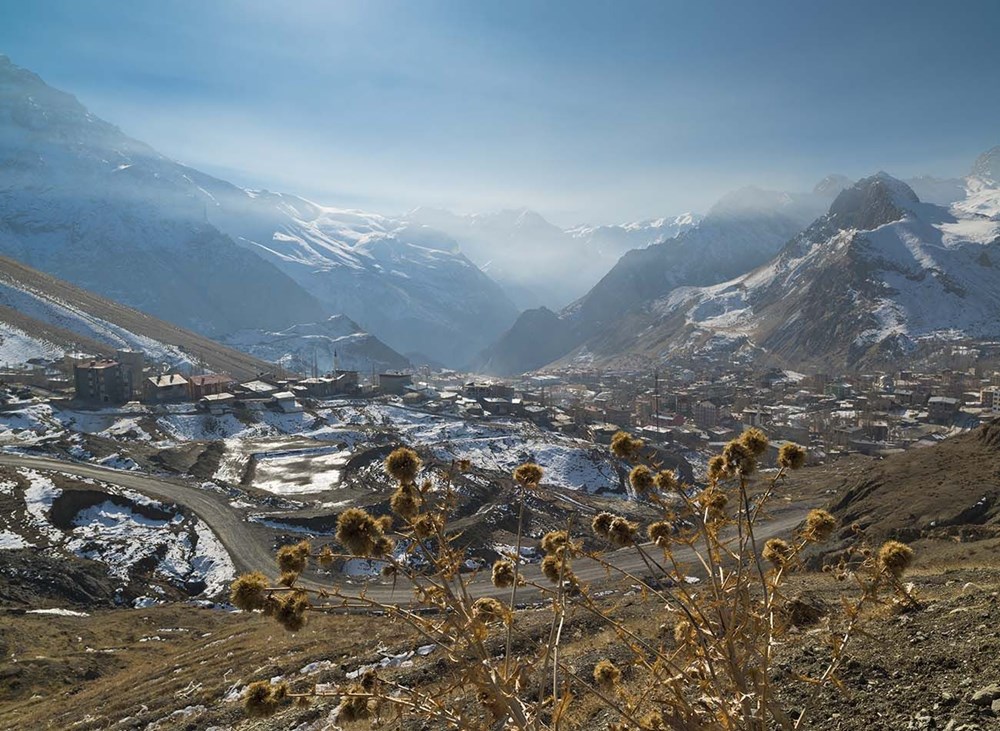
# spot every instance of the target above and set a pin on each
(744, 229)
(81, 200)
(538, 263)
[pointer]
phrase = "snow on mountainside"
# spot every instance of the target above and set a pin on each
(333, 343)
(44, 317)
(528, 255)
(881, 271)
(408, 284)
(81, 200)
(744, 229)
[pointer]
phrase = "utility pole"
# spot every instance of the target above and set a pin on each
(656, 397)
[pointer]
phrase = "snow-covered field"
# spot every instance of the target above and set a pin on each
(124, 532)
(495, 445)
(295, 454)
(299, 472)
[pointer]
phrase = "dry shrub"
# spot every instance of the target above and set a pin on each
(715, 670)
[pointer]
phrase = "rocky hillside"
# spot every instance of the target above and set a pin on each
(45, 317)
(951, 489)
(879, 274)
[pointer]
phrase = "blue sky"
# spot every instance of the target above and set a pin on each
(587, 111)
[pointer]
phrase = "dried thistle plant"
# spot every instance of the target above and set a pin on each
(715, 670)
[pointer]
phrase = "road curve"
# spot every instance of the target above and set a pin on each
(250, 544)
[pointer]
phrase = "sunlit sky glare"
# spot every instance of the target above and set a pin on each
(586, 111)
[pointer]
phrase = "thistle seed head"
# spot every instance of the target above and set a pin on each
(529, 475)
(666, 480)
(249, 591)
(554, 541)
(504, 574)
(293, 559)
(641, 479)
(739, 460)
(791, 456)
(622, 532)
(820, 525)
(777, 551)
(895, 557)
(755, 440)
(624, 446)
(601, 524)
(403, 465)
(660, 533)
(606, 675)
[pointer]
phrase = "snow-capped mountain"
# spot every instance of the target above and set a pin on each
(334, 343)
(80, 199)
(538, 263)
(407, 283)
(744, 229)
(83, 201)
(881, 272)
(45, 317)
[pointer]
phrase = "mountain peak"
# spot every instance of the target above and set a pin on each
(987, 165)
(872, 202)
(832, 185)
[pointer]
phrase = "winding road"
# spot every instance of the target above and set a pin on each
(250, 544)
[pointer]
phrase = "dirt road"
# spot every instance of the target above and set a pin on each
(250, 544)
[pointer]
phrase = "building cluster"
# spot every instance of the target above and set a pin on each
(873, 413)
(676, 409)
(115, 381)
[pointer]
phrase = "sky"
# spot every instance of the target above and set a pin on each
(589, 112)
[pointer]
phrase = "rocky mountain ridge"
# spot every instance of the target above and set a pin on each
(863, 284)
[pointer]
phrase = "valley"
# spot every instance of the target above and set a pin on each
(309, 423)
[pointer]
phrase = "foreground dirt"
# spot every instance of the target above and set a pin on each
(182, 667)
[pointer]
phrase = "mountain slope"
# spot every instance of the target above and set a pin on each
(41, 316)
(528, 255)
(743, 230)
(333, 343)
(408, 284)
(81, 200)
(880, 272)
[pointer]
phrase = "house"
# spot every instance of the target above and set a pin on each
(706, 414)
(480, 391)
(603, 433)
(165, 388)
(989, 398)
(346, 381)
(285, 402)
(257, 389)
(208, 384)
(394, 383)
(942, 409)
(100, 382)
(317, 387)
(133, 364)
(217, 403)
